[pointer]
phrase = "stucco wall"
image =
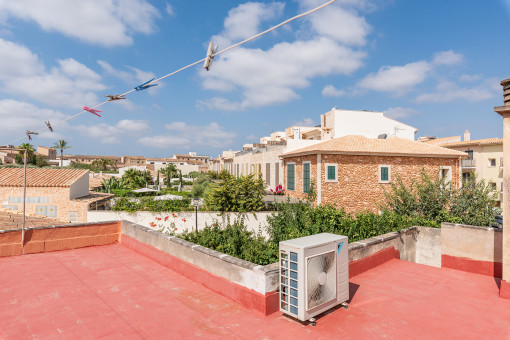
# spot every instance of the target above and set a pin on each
(182, 220)
(476, 243)
(79, 188)
(56, 196)
(358, 188)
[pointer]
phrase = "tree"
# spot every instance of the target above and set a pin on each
(29, 149)
(104, 164)
(168, 172)
(136, 178)
(61, 145)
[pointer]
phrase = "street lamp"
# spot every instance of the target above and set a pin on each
(196, 202)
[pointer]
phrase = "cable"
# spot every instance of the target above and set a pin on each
(196, 62)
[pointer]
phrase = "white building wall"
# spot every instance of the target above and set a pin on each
(365, 123)
(79, 188)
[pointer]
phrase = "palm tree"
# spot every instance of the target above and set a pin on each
(168, 172)
(29, 149)
(103, 164)
(136, 178)
(61, 145)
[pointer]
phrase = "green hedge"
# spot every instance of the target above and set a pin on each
(297, 220)
(150, 204)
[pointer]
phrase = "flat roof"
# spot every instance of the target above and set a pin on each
(112, 291)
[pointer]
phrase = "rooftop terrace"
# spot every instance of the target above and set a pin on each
(112, 291)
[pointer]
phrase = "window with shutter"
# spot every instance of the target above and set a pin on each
(306, 177)
(291, 176)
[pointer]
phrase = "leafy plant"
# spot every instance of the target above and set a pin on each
(61, 145)
(241, 194)
(279, 190)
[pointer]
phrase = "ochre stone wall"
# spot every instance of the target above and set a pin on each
(358, 188)
(56, 196)
(298, 192)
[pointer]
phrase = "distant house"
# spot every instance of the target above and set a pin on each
(62, 194)
(485, 158)
(352, 172)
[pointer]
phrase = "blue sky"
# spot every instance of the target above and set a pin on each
(435, 65)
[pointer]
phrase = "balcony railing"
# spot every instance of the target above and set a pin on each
(468, 163)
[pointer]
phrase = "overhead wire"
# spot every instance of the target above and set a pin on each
(195, 63)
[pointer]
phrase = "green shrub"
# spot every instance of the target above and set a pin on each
(241, 194)
(434, 199)
(150, 204)
(297, 220)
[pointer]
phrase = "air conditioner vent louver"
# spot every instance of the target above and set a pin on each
(321, 279)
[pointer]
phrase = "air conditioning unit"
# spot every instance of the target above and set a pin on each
(314, 275)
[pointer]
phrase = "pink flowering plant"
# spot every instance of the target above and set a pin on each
(279, 190)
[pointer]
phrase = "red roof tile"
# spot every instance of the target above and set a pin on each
(13, 177)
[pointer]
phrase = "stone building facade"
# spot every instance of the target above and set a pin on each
(61, 194)
(355, 174)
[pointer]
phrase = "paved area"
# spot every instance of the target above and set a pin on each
(111, 292)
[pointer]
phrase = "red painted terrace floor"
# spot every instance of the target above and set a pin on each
(111, 292)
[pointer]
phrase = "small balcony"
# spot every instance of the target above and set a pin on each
(468, 163)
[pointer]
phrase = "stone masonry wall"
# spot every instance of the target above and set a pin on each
(358, 188)
(56, 196)
(298, 192)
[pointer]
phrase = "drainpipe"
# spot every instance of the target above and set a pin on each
(504, 111)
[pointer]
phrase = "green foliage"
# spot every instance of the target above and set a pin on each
(214, 174)
(61, 145)
(200, 185)
(235, 240)
(298, 220)
(40, 161)
(104, 164)
(150, 204)
(241, 194)
(434, 199)
(169, 171)
(473, 203)
(135, 179)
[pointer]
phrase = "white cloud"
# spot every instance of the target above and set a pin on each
(305, 122)
(134, 77)
(447, 58)
(111, 134)
(69, 84)
(469, 78)
(169, 9)
(183, 135)
(104, 22)
(340, 24)
(244, 21)
(396, 79)
(17, 116)
(272, 76)
(447, 91)
(400, 112)
(331, 91)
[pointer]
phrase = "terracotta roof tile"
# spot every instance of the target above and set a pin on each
(441, 140)
(13, 177)
(474, 142)
(363, 145)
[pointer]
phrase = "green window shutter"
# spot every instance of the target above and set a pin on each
(290, 176)
(306, 177)
(384, 173)
(331, 173)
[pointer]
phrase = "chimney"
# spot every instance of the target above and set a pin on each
(506, 91)
(467, 136)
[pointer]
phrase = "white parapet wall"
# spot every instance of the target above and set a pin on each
(183, 220)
